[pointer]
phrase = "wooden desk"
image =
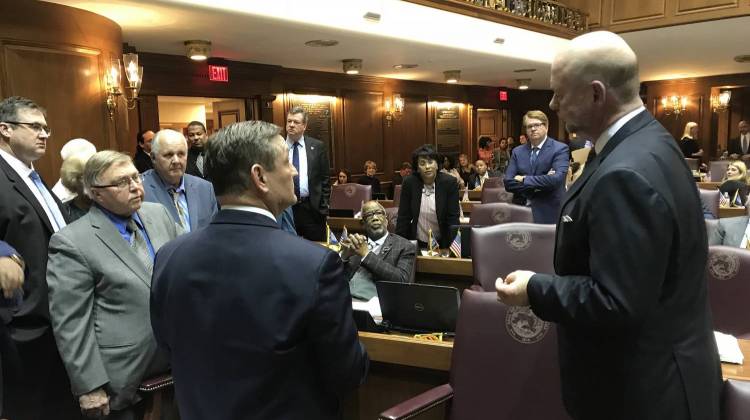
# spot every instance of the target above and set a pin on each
(352, 225)
(732, 211)
(741, 372)
(386, 203)
(447, 266)
(708, 185)
(475, 195)
(408, 351)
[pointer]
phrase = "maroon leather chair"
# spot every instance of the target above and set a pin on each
(735, 400)
(718, 168)
(728, 272)
(350, 196)
(493, 182)
(396, 195)
(499, 250)
(504, 367)
(392, 214)
(155, 391)
(497, 213)
(496, 195)
(711, 199)
(711, 226)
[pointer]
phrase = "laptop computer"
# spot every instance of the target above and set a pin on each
(341, 213)
(418, 308)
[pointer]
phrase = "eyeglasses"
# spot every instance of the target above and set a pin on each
(34, 126)
(370, 215)
(534, 126)
(123, 182)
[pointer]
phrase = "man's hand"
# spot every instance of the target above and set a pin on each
(11, 276)
(95, 403)
(359, 244)
(519, 178)
(512, 290)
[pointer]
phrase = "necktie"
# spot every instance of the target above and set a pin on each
(199, 162)
(295, 162)
(139, 246)
(59, 220)
(534, 153)
(744, 144)
(181, 211)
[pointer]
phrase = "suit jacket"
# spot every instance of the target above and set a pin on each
(192, 167)
(262, 316)
(734, 146)
(318, 174)
(24, 226)
(201, 199)
(446, 204)
(634, 325)
(729, 231)
(99, 302)
(395, 262)
(544, 191)
(142, 160)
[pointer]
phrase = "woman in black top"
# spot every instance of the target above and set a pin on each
(689, 142)
(369, 177)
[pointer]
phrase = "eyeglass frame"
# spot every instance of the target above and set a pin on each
(534, 126)
(368, 215)
(123, 182)
(36, 127)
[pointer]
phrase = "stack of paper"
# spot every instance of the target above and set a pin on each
(372, 306)
(729, 348)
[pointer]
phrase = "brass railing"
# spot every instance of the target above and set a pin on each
(547, 11)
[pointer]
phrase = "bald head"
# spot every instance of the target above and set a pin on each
(169, 155)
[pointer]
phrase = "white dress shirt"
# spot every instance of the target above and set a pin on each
(250, 209)
(616, 126)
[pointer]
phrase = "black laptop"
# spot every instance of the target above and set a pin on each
(418, 308)
(341, 213)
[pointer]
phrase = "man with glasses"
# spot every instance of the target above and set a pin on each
(29, 214)
(536, 172)
(377, 255)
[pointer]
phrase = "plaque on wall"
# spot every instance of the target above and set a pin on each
(448, 129)
(319, 112)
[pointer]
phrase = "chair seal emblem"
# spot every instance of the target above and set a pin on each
(518, 240)
(524, 326)
(723, 266)
(349, 190)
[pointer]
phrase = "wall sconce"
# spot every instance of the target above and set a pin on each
(113, 77)
(674, 104)
(720, 102)
(394, 109)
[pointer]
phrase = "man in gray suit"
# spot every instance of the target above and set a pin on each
(99, 280)
(731, 231)
(189, 199)
(378, 256)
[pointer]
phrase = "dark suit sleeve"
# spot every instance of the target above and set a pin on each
(404, 217)
(511, 184)
(6, 251)
(560, 164)
(452, 214)
(342, 359)
(384, 271)
(627, 222)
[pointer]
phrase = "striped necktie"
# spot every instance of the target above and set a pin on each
(57, 216)
(140, 247)
(181, 211)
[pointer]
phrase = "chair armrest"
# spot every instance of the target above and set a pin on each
(419, 404)
(156, 383)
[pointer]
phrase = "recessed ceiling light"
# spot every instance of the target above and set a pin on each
(352, 65)
(372, 16)
(500, 41)
(524, 71)
(745, 58)
(452, 76)
(322, 43)
(523, 84)
(198, 50)
(405, 66)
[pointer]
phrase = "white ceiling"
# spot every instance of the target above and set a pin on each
(274, 32)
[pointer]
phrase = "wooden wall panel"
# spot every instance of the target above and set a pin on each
(624, 11)
(697, 6)
(408, 133)
(363, 129)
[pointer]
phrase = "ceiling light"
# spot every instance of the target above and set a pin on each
(524, 70)
(452, 76)
(523, 84)
(198, 50)
(372, 16)
(405, 66)
(352, 65)
(500, 41)
(322, 43)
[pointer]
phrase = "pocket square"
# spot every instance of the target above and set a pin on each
(566, 219)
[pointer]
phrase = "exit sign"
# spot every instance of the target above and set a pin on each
(502, 95)
(218, 73)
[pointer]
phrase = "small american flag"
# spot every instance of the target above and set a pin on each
(344, 234)
(456, 245)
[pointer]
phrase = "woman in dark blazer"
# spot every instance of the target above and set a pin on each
(435, 191)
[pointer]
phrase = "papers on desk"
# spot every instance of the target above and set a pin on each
(464, 220)
(372, 306)
(729, 348)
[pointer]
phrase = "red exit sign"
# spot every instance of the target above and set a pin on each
(502, 95)
(218, 73)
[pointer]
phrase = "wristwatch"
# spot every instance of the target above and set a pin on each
(18, 260)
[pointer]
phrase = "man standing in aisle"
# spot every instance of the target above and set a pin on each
(197, 137)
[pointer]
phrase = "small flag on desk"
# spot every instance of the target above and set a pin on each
(724, 200)
(332, 240)
(344, 234)
(456, 245)
(738, 199)
(434, 245)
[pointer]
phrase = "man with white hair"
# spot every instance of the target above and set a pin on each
(629, 294)
(76, 147)
(190, 200)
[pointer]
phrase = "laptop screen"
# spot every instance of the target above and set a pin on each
(418, 307)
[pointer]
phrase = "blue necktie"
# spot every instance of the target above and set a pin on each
(534, 153)
(295, 162)
(48, 200)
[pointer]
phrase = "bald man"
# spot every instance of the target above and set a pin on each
(629, 293)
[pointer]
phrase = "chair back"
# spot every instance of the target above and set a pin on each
(711, 226)
(693, 163)
(504, 364)
(493, 182)
(728, 272)
(497, 251)
(350, 196)
(711, 199)
(735, 403)
(496, 195)
(497, 213)
(392, 214)
(396, 195)
(718, 168)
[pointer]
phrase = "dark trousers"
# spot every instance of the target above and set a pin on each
(309, 222)
(39, 389)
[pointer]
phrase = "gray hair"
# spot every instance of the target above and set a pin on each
(233, 150)
(99, 163)
(78, 146)
(10, 106)
(162, 135)
(299, 110)
(71, 173)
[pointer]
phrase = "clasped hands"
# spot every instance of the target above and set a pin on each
(95, 403)
(512, 290)
(354, 244)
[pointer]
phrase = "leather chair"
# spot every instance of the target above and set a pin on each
(153, 391)
(350, 196)
(391, 213)
(496, 195)
(396, 195)
(711, 226)
(493, 182)
(728, 272)
(718, 168)
(499, 250)
(693, 163)
(735, 400)
(504, 367)
(711, 199)
(497, 213)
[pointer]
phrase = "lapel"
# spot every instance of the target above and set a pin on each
(439, 195)
(159, 191)
(311, 152)
(416, 199)
(191, 195)
(155, 232)
(106, 231)
(20, 186)
(542, 152)
(387, 245)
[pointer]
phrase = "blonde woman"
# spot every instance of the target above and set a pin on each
(689, 142)
(735, 182)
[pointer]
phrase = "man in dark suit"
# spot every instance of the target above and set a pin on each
(142, 158)
(312, 186)
(537, 169)
(377, 255)
(190, 200)
(740, 147)
(262, 317)
(29, 215)
(629, 296)
(197, 138)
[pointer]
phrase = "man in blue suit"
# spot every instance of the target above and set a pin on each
(536, 172)
(257, 323)
(189, 199)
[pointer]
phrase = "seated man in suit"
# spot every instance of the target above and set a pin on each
(483, 173)
(537, 170)
(731, 231)
(258, 323)
(377, 255)
(189, 199)
(99, 279)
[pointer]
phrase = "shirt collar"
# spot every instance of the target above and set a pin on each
(540, 143)
(17, 165)
(118, 220)
(614, 128)
(250, 209)
(290, 142)
(379, 242)
(180, 188)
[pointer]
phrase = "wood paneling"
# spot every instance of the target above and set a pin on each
(363, 127)
(697, 6)
(625, 11)
(408, 133)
